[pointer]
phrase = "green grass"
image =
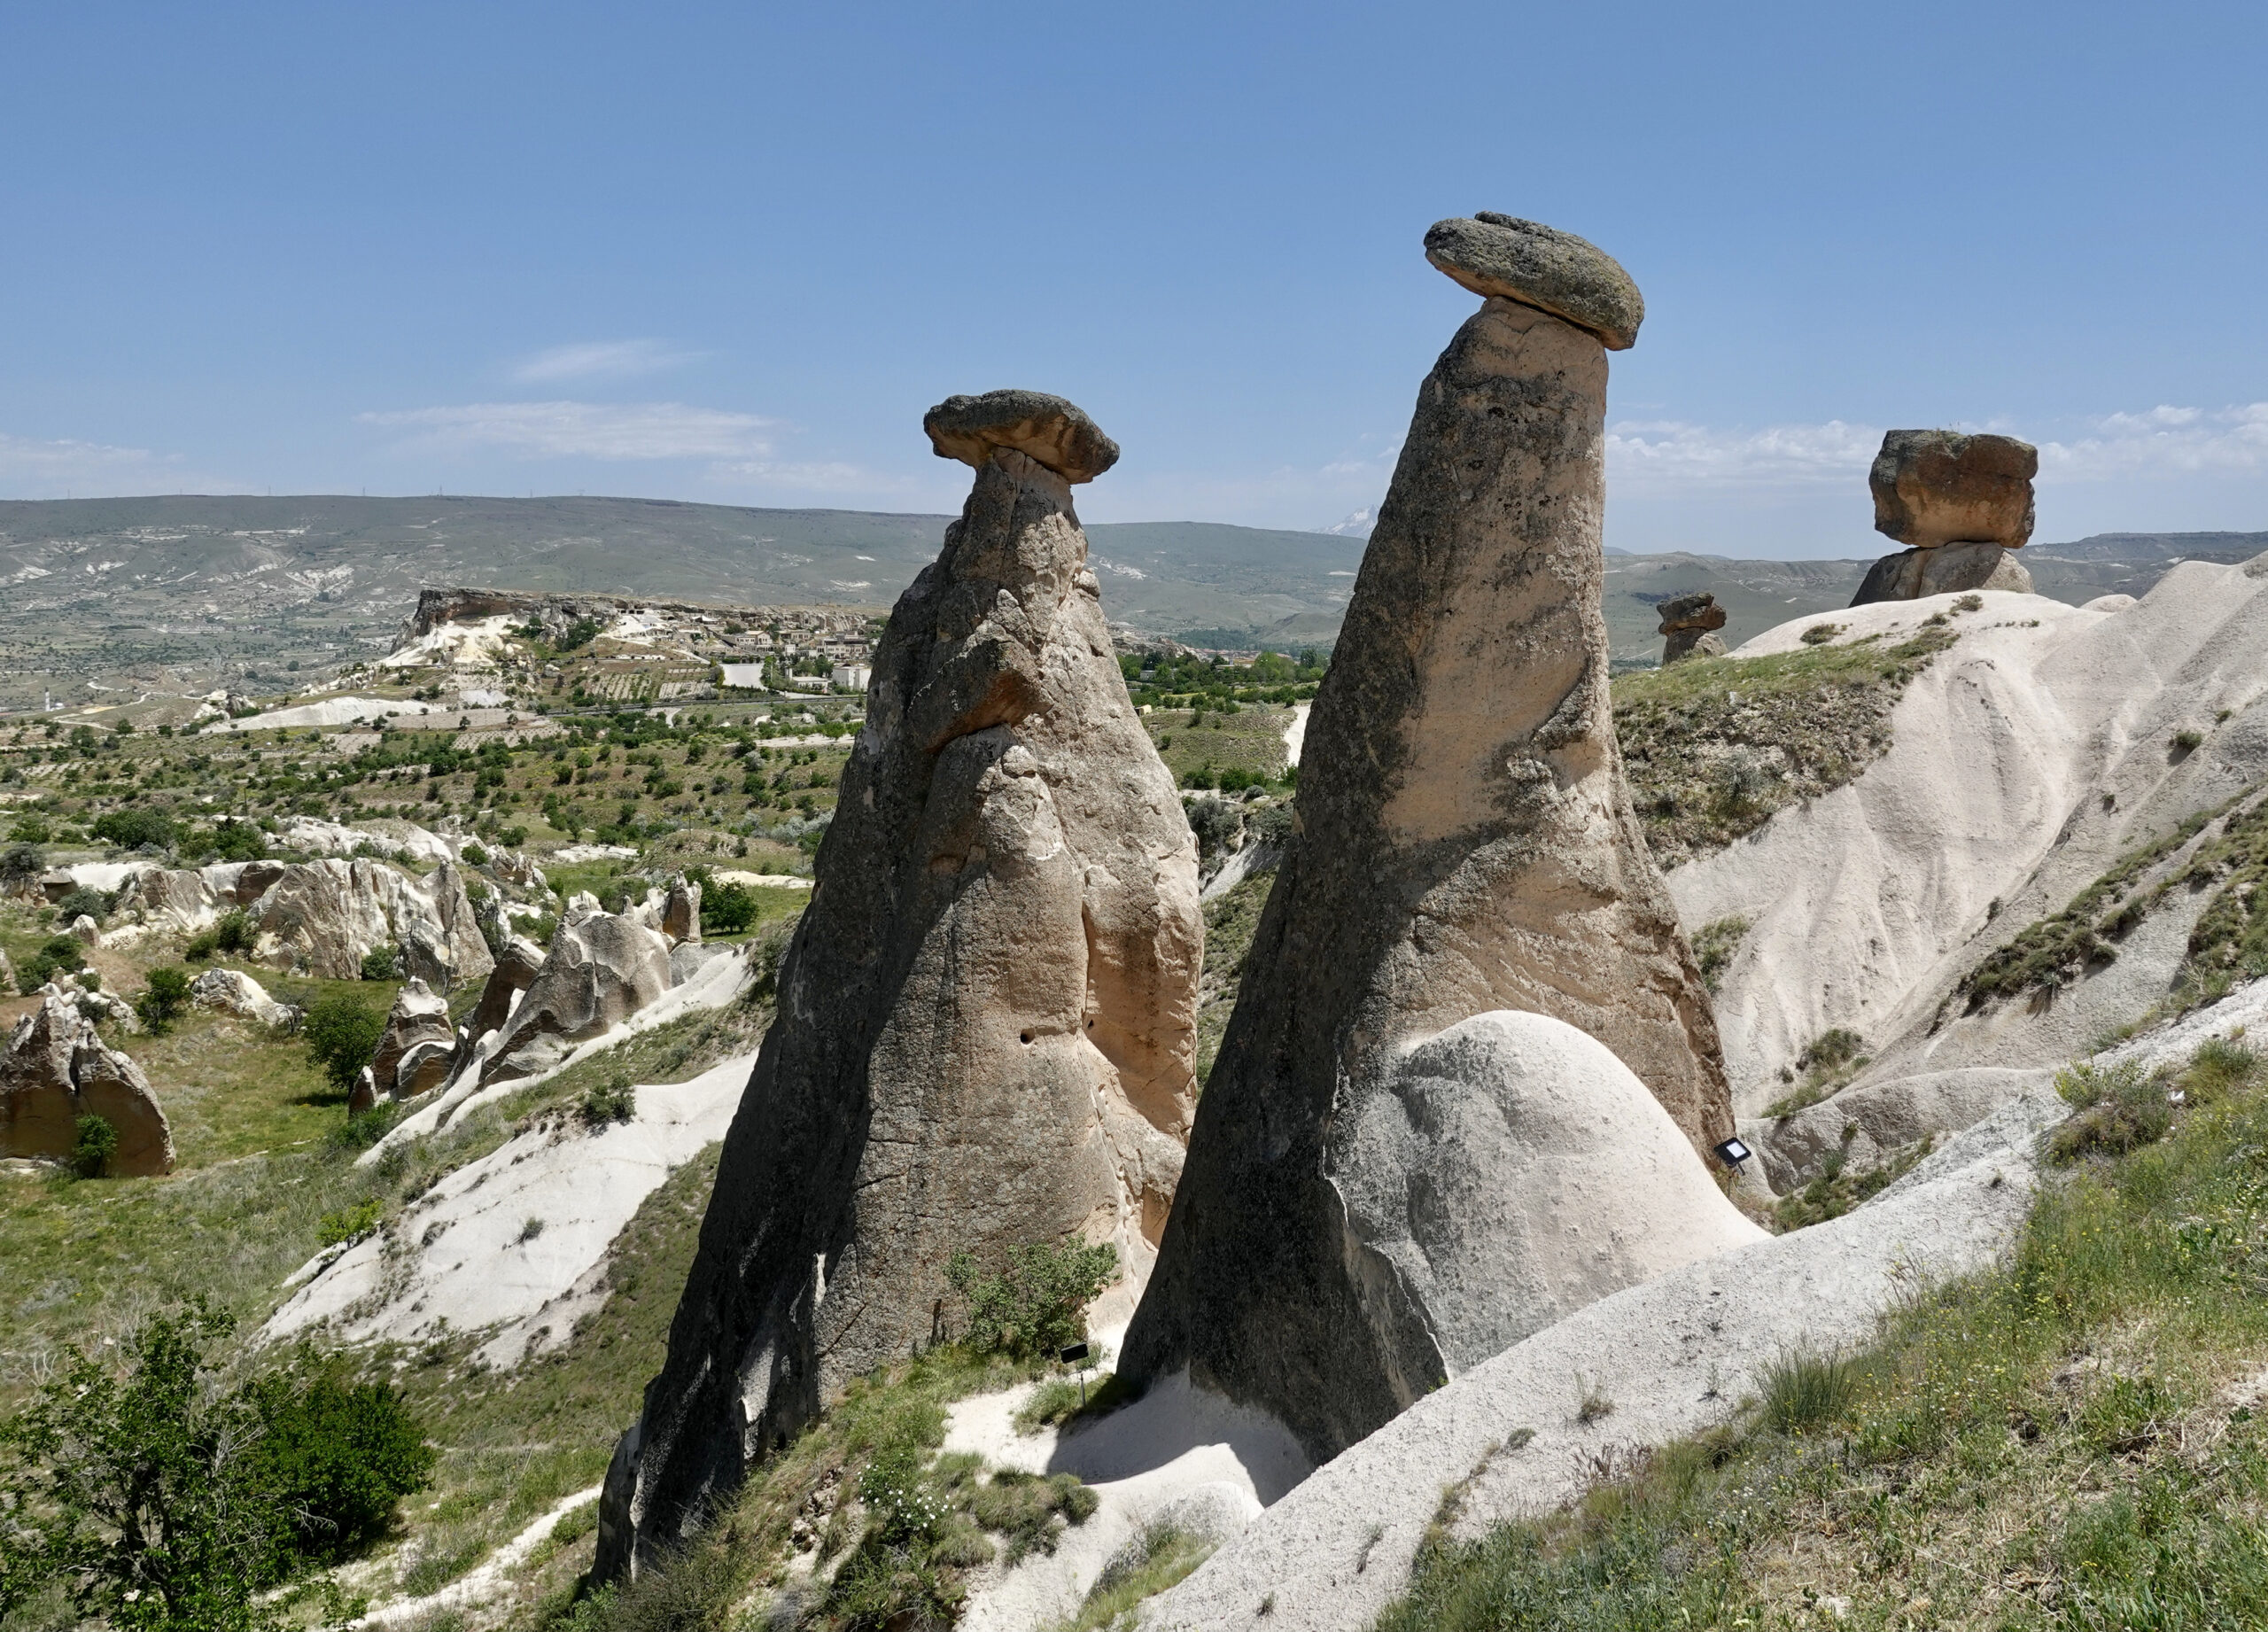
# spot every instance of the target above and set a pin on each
(2054, 1444)
(1231, 918)
(1713, 746)
(1250, 740)
(1064, 1403)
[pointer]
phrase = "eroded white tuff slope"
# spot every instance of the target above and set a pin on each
(515, 1243)
(1675, 1354)
(2024, 761)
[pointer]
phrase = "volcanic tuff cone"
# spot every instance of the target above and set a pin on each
(1464, 844)
(986, 1031)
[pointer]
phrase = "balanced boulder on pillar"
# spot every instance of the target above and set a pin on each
(986, 1032)
(1965, 505)
(1463, 845)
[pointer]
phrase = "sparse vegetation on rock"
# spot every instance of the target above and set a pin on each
(1712, 747)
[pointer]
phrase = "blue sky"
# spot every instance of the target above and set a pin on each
(732, 252)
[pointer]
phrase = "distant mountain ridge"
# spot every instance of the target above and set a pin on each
(182, 593)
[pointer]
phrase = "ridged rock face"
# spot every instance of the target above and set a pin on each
(986, 1026)
(1466, 843)
(598, 971)
(54, 1070)
(1916, 574)
(416, 1028)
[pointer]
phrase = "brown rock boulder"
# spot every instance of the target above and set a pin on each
(55, 1070)
(1913, 574)
(1505, 257)
(681, 909)
(517, 968)
(1464, 844)
(417, 1027)
(986, 1030)
(1691, 622)
(1936, 488)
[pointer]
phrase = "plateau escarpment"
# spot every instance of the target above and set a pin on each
(986, 1025)
(1464, 844)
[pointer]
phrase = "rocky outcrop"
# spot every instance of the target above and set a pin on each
(986, 1022)
(321, 917)
(55, 1070)
(1937, 487)
(86, 931)
(231, 991)
(1466, 843)
(1691, 623)
(599, 970)
(681, 911)
(1963, 502)
(516, 967)
(417, 1046)
(1946, 569)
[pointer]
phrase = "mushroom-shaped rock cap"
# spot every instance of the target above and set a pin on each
(1054, 431)
(1697, 610)
(1539, 265)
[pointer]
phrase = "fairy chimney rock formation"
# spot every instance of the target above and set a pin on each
(1464, 844)
(986, 1030)
(1962, 502)
(1691, 623)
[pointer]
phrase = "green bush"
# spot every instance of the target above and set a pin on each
(31, 828)
(135, 829)
(728, 909)
(88, 902)
(61, 954)
(380, 963)
(350, 1224)
(335, 1458)
(365, 1129)
(92, 1156)
(164, 999)
(610, 1101)
(234, 933)
(2124, 1108)
(1033, 1305)
(341, 1031)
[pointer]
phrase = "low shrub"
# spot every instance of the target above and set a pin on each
(1033, 1304)
(1802, 1389)
(380, 963)
(2124, 1108)
(81, 903)
(350, 1224)
(96, 1148)
(59, 955)
(605, 1103)
(135, 829)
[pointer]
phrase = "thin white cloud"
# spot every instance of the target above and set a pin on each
(1676, 454)
(568, 429)
(603, 360)
(819, 476)
(35, 467)
(2165, 442)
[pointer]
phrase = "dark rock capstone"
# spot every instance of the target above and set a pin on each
(1541, 267)
(1056, 434)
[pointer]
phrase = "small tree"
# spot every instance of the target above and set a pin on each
(1034, 1306)
(167, 997)
(381, 962)
(138, 1491)
(342, 1032)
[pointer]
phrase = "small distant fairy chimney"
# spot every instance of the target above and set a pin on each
(1691, 622)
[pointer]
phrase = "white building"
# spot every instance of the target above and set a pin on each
(853, 676)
